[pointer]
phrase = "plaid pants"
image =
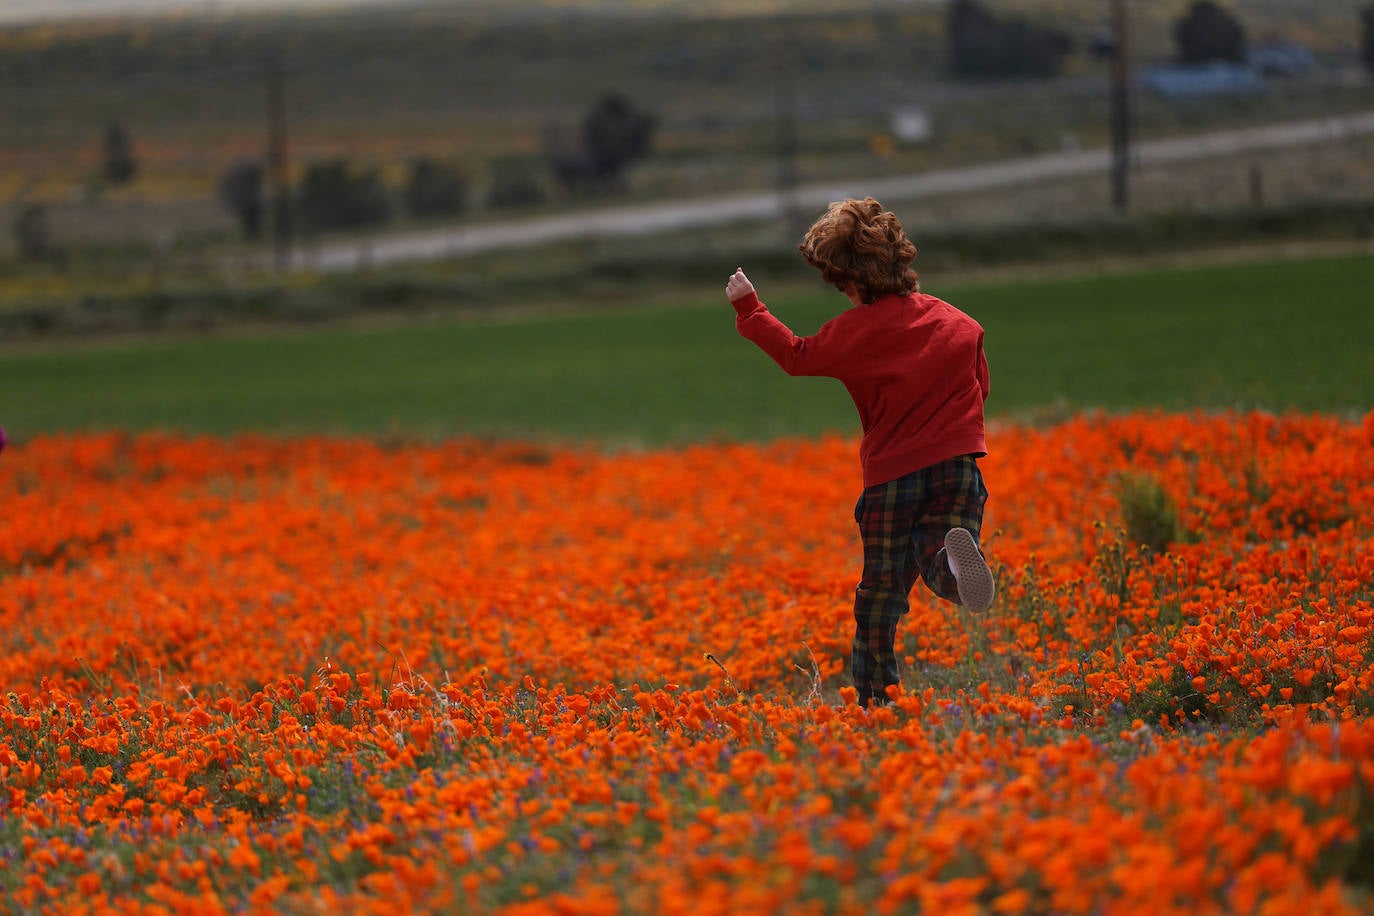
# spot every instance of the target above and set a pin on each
(903, 524)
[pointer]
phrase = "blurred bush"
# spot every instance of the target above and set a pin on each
(32, 240)
(118, 163)
(985, 46)
(1367, 37)
(434, 189)
(333, 196)
(240, 191)
(515, 181)
(1148, 512)
(1208, 33)
(615, 132)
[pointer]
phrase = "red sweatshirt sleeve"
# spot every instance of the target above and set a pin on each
(983, 369)
(815, 355)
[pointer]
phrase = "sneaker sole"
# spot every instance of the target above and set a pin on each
(976, 587)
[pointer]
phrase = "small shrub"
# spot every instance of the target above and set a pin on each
(1209, 33)
(31, 236)
(1367, 38)
(240, 191)
(615, 133)
(985, 46)
(515, 183)
(435, 189)
(1148, 512)
(333, 196)
(118, 163)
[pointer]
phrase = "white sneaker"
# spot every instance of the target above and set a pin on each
(976, 588)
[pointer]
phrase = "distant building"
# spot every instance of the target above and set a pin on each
(912, 124)
(1280, 59)
(1218, 78)
(1283, 59)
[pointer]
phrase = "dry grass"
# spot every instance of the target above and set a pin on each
(1336, 171)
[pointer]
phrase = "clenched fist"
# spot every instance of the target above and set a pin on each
(738, 286)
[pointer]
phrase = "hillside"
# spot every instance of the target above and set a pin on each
(481, 86)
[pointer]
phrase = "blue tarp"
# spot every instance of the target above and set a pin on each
(1205, 79)
(1284, 59)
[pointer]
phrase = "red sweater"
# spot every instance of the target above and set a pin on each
(913, 364)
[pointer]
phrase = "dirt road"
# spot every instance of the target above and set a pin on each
(647, 219)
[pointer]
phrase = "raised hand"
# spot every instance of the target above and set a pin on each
(738, 286)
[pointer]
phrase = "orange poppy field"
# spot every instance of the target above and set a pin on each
(306, 675)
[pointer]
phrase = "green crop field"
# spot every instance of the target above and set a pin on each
(485, 88)
(1280, 336)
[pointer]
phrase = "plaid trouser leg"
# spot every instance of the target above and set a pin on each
(883, 513)
(902, 524)
(955, 499)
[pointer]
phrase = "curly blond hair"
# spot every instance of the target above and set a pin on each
(858, 242)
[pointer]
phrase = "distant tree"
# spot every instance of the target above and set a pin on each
(614, 134)
(117, 156)
(1367, 38)
(983, 46)
(514, 182)
(975, 38)
(240, 191)
(31, 236)
(1033, 51)
(332, 196)
(435, 189)
(1208, 33)
(570, 163)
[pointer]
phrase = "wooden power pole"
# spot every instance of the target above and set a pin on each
(785, 101)
(278, 169)
(1121, 107)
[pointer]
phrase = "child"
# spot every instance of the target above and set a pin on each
(914, 366)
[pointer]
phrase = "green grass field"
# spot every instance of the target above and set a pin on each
(1273, 335)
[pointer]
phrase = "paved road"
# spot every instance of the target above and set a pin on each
(646, 219)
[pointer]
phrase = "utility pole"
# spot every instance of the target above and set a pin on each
(786, 116)
(278, 170)
(1121, 107)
